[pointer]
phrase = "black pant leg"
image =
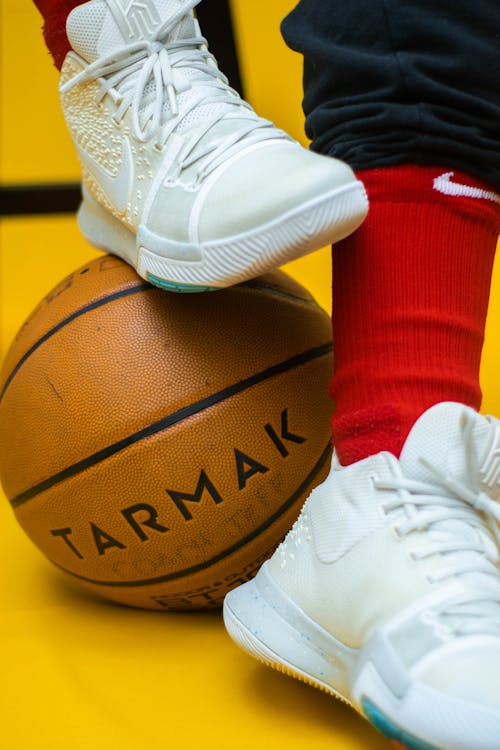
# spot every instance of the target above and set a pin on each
(388, 82)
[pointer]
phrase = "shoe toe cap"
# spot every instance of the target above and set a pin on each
(266, 184)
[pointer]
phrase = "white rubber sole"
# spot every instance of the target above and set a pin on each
(266, 624)
(215, 265)
(269, 626)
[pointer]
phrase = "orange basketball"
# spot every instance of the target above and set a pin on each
(157, 446)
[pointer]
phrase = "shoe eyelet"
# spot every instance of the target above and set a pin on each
(396, 532)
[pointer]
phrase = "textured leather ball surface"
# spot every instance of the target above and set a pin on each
(157, 446)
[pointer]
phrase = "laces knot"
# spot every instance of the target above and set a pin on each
(170, 84)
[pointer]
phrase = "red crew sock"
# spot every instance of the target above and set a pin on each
(410, 297)
(55, 13)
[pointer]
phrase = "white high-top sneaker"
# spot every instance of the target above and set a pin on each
(386, 592)
(180, 177)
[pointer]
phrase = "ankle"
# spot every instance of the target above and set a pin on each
(410, 297)
(55, 13)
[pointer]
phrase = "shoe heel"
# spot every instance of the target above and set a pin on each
(271, 628)
(105, 232)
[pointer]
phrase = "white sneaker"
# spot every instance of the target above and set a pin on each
(386, 592)
(180, 177)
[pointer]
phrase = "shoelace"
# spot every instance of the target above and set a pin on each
(444, 510)
(126, 75)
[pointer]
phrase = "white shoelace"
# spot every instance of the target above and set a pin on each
(446, 511)
(126, 76)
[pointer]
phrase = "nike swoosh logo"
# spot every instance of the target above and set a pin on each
(444, 184)
(117, 188)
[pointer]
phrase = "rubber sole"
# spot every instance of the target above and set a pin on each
(220, 264)
(268, 631)
(386, 727)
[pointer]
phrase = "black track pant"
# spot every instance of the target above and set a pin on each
(415, 81)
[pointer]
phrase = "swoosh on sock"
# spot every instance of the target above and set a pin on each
(444, 184)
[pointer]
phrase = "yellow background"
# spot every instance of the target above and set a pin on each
(79, 673)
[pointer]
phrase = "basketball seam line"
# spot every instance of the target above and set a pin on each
(124, 293)
(82, 311)
(225, 553)
(309, 301)
(171, 419)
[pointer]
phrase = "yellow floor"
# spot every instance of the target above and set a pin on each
(76, 672)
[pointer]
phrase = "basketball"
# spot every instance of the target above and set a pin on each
(156, 447)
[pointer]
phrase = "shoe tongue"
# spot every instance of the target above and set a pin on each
(98, 28)
(439, 438)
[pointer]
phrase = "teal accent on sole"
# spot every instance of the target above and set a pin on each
(171, 286)
(392, 731)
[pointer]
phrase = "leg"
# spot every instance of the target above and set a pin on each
(394, 83)
(400, 86)
(410, 297)
(387, 590)
(55, 13)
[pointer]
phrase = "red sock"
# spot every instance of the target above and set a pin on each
(410, 297)
(55, 13)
